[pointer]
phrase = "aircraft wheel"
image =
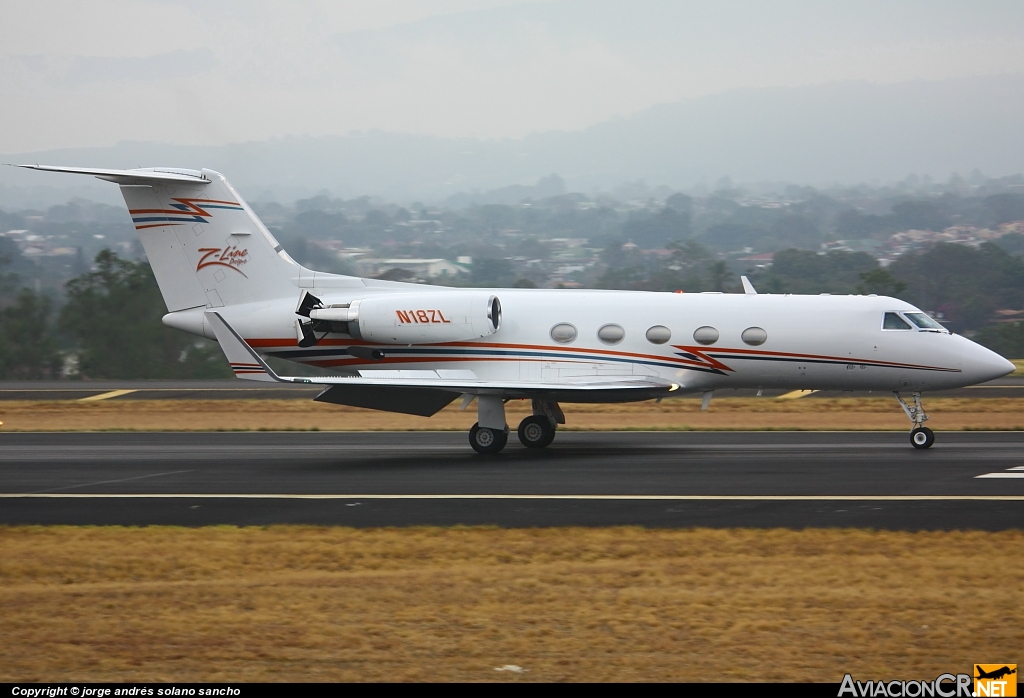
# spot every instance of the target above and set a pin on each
(485, 440)
(922, 437)
(536, 431)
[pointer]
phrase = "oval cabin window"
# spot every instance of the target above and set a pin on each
(754, 336)
(705, 335)
(611, 334)
(563, 333)
(659, 334)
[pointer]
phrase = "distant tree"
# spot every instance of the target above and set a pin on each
(552, 185)
(532, 248)
(114, 315)
(320, 224)
(967, 285)
(495, 217)
(880, 282)
(718, 274)
(28, 350)
(1005, 208)
(396, 274)
(524, 283)
(490, 272)
(1005, 338)
(803, 271)
(732, 236)
(623, 278)
(680, 202)
(652, 232)
(796, 231)
(854, 224)
(616, 255)
(1012, 243)
(8, 279)
(922, 214)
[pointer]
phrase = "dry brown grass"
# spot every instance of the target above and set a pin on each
(880, 413)
(336, 604)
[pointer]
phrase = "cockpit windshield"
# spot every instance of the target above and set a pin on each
(924, 322)
(893, 321)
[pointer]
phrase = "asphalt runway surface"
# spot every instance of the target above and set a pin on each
(232, 389)
(968, 480)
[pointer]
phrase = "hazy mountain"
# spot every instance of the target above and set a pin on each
(838, 132)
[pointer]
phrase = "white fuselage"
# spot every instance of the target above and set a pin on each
(812, 342)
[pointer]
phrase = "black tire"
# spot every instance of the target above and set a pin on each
(485, 440)
(536, 431)
(922, 437)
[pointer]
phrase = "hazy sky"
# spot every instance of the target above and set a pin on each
(80, 73)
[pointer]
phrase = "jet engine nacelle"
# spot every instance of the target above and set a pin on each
(422, 318)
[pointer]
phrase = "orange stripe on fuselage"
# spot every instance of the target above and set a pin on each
(782, 354)
(702, 352)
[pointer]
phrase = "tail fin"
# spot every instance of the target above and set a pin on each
(206, 246)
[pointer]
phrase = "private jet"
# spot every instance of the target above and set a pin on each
(413, 349)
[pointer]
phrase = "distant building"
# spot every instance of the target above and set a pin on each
(1008, 315)
(762, 260)
(419, 268)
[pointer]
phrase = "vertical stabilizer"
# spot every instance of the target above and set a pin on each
(206, 246)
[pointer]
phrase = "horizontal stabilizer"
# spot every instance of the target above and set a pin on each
(140, 176)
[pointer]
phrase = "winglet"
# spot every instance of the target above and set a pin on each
(748, 288)
(245, 362)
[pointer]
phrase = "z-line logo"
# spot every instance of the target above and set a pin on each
(422, 317)
(231, 257)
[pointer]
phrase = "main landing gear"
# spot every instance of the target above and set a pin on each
(490, 433)
(920, 436)
(487, 440)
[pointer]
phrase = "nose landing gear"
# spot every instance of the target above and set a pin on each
(920, 436)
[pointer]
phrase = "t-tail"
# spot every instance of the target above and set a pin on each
(207, 248)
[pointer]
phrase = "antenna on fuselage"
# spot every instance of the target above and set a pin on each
(748, 288)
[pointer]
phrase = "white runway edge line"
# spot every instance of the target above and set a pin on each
(1003, 476)
(585, 497)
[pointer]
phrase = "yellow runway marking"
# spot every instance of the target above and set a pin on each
(793, 395)
(106, 396)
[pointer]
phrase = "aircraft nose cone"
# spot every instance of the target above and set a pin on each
(982, 365)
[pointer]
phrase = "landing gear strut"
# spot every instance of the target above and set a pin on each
(538, 430)
(490, 433)
(920, 436)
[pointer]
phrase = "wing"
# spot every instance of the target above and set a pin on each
(426, 392)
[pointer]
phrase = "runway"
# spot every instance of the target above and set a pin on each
(232, 389)
(968, 480)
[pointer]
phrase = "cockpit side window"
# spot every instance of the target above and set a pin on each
(923, 321)
(893, 321)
